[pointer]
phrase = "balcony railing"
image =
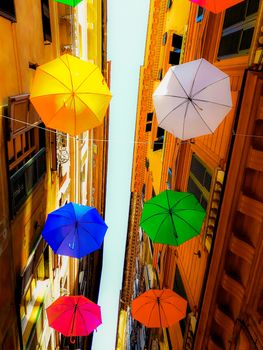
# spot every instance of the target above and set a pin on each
(25, 179)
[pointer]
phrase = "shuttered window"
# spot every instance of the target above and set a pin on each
(26, 156)
(158, 143)
(238, 29)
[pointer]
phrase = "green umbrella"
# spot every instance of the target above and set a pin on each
(69, 2)
(172, 217)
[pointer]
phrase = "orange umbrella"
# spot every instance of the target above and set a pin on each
(159, 308)
(216, 6)
(70, 94)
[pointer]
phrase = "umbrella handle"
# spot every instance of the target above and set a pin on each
(72, 340)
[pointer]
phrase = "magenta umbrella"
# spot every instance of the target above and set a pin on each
(74, 315)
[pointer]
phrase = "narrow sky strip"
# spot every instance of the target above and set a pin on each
(127, 25)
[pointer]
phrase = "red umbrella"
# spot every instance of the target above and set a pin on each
(159, 308)
(216, 6)
(74, 315)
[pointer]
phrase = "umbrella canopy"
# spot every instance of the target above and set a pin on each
(74, 230)
(192, 99)
(216, 6)
(159, 308)
(69, 2)
(70, 94)
(74, 315)
(172, 217)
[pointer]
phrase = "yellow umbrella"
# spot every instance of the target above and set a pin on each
(70, 94)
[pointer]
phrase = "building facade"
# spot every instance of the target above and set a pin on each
(218, 272)
(42, 170)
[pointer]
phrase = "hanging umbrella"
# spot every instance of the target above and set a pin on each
(74, 315)
(159, 308)
(216, 6)
(70, 94)
(69, 2)
(74, 230)
(192, 99)
(172, 217)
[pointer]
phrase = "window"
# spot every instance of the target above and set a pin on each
(7, 10)
(164, 38)
(169, 179)
(46, 21)
(177, 41)
(169, 4)
(200, 14)
(178, 288)
(159, 261)
(174, 57)
(160, 74)
(199, 182)
(158, 144)
(149, 118)
(238, 29)
(26, 157)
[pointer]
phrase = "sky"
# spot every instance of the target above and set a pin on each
(127, 26)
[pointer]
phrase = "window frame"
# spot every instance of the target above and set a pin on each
(247, 23)
(205, 193)
(10, 16)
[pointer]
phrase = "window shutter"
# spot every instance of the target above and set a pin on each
(21, 112)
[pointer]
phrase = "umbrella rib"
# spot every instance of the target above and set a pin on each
(181, 199)
(186, 98)
(150, 314)
(139, 308)
(202, 118)
(186, 222)
(167, 115)
(74, 103)
(54, 115)
(216, 103)
(171, 217)
(180, 84)
(55, 94)
(87, 77)
(157, 205)
(170, 303)
(195, 76)
(158, 230)
(91, 93)
(185, 112)
(83, 318)
(92, 222)
(91, 234)
(208, 86)
(52, 76)
(161, 307)
(150, 217)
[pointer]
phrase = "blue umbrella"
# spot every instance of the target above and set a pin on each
(74, 230)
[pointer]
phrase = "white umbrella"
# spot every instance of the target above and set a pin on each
(192, 99)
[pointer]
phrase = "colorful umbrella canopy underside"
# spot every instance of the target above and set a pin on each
(172, 217)
(159, 308)
(74, 230)
(74, 315)
(70, 94)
